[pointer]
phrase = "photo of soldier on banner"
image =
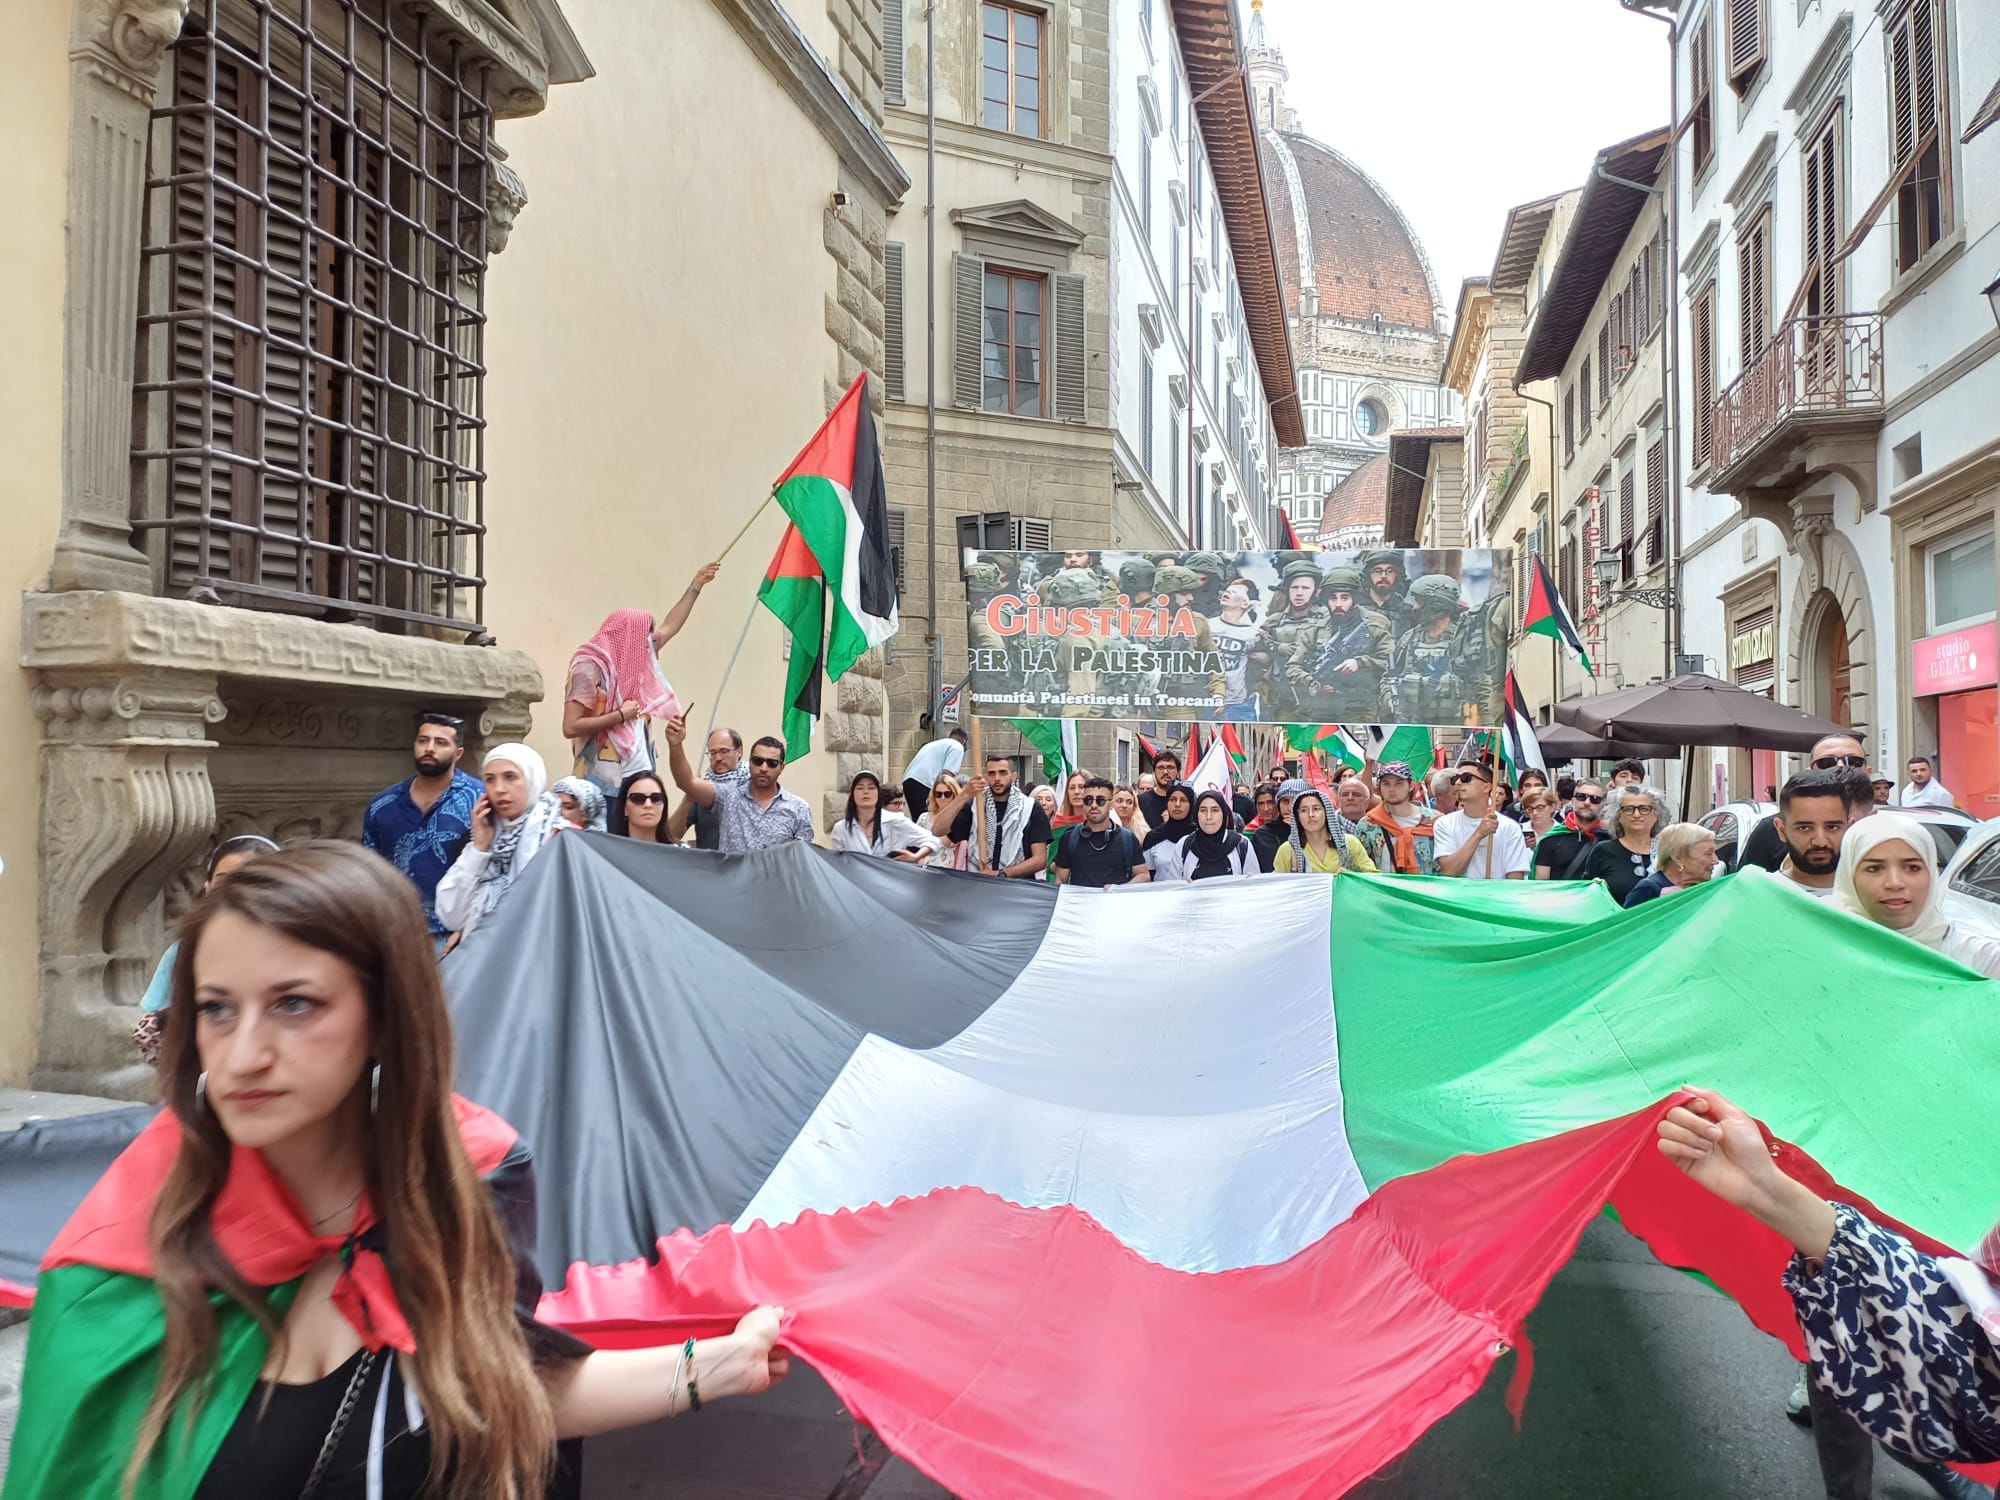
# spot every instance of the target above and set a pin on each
(1387, 636)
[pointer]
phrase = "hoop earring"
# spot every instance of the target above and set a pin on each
(201, 1091)
(374, 1089)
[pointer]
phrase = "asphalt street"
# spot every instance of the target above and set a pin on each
(1648, 1386)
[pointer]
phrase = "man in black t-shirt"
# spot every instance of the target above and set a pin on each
(1561, 850)
(1097, 852)
(1017, 830)
(1153, 804)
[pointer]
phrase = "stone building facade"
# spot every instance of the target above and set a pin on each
(1057, 178)
(239, 583)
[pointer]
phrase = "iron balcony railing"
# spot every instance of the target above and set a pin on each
(1816, 365)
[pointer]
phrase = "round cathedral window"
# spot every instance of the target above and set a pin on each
(1370, 419)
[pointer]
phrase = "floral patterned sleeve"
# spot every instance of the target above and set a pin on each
(1893, 1341)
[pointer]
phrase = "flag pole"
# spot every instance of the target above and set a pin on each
(715, 703)
(748, 524)
(980, 846)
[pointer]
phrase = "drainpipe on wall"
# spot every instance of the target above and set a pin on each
(933, 641)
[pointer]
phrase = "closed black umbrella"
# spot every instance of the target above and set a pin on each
(1696, 710)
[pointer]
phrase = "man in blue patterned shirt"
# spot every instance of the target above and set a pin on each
(419, 825)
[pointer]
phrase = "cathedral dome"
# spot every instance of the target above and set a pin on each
(1358, 507)
(1363, 262)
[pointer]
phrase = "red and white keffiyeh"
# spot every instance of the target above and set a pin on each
(622, 651)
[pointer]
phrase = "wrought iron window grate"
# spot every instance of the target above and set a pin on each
(310, 426)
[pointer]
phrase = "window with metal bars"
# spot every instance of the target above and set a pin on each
(309, 424)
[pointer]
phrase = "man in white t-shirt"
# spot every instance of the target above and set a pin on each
(1923, 788)
(929, 763)
(1475, 842)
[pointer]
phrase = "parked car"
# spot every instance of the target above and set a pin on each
(1972, 880)
(1731, 824)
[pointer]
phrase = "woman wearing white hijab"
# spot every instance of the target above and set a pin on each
(1888, 873)
(510, 823)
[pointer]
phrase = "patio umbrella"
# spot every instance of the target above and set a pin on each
(1696, 710)
(1560, 742)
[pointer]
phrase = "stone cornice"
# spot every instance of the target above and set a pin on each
(779, 44)
(104, 631)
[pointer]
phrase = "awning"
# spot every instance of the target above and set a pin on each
(1696, 710)
(1560, 742)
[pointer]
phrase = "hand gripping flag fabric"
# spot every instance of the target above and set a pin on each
(1546, 614)
(837, 544)
(1328, 1138)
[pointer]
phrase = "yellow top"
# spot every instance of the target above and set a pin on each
(1356, 859)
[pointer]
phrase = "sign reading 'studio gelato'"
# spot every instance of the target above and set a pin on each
(1393, 636)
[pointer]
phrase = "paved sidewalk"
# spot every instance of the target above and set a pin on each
(17, 1108)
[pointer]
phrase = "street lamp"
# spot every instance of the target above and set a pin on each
(1610, 567)
(1992, 295)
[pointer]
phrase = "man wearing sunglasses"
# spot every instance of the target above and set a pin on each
(1475, 842)
(1560, 851)
(1099, 853)
(756, 814)
(1765, 845)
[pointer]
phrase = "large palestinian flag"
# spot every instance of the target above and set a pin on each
(837, 543)
(1546, 614)
(1173, 1192)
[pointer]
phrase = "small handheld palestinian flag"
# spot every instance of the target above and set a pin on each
(838, 543)
(1546, 614)
(1522, 748)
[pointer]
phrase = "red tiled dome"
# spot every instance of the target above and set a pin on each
(1361, 499)
(1365, 259)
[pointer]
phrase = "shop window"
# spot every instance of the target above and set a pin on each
(1960, 589)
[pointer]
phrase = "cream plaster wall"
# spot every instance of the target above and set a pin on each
(658, 354)
(34, 121)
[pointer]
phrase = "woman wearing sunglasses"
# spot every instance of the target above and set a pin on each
(641, 809)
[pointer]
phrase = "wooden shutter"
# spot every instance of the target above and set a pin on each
(1753, 287)
(1604, 362)
(894, 357)
(1584, 405)
(194, 484)
(1746, 42)
(1032, 534)
(1656, 501)
(1702, 321)
(968, 295)
(899, 524)
(1628, 517)
(1569, 424)
(1822, 215)
(892, 52)
(1071, 350)
(1701, 99)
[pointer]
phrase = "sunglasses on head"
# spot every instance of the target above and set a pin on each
(766, 760)
(1828, 762)
(643, 799)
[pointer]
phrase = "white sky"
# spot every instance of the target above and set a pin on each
(1461, 109)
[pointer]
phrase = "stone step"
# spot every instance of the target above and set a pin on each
(19, 1106)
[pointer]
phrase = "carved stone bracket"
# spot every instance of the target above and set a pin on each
(506, 196)
(165, 723)
(1812, 522)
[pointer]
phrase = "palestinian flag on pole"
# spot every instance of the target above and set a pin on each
(1288, 538)
(837, 545)
(1353, 1235)
(1522, 749)
(1547, 615)
(1232, 745)
(1414, 745)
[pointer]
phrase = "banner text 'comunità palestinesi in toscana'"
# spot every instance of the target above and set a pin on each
(1390, 636)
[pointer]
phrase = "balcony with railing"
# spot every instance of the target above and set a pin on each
(1817, 378)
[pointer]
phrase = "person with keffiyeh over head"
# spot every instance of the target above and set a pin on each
(1314, 847)
(1273, 832)
(616, 686)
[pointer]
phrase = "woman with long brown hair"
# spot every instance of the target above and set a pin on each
(321, 1221)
